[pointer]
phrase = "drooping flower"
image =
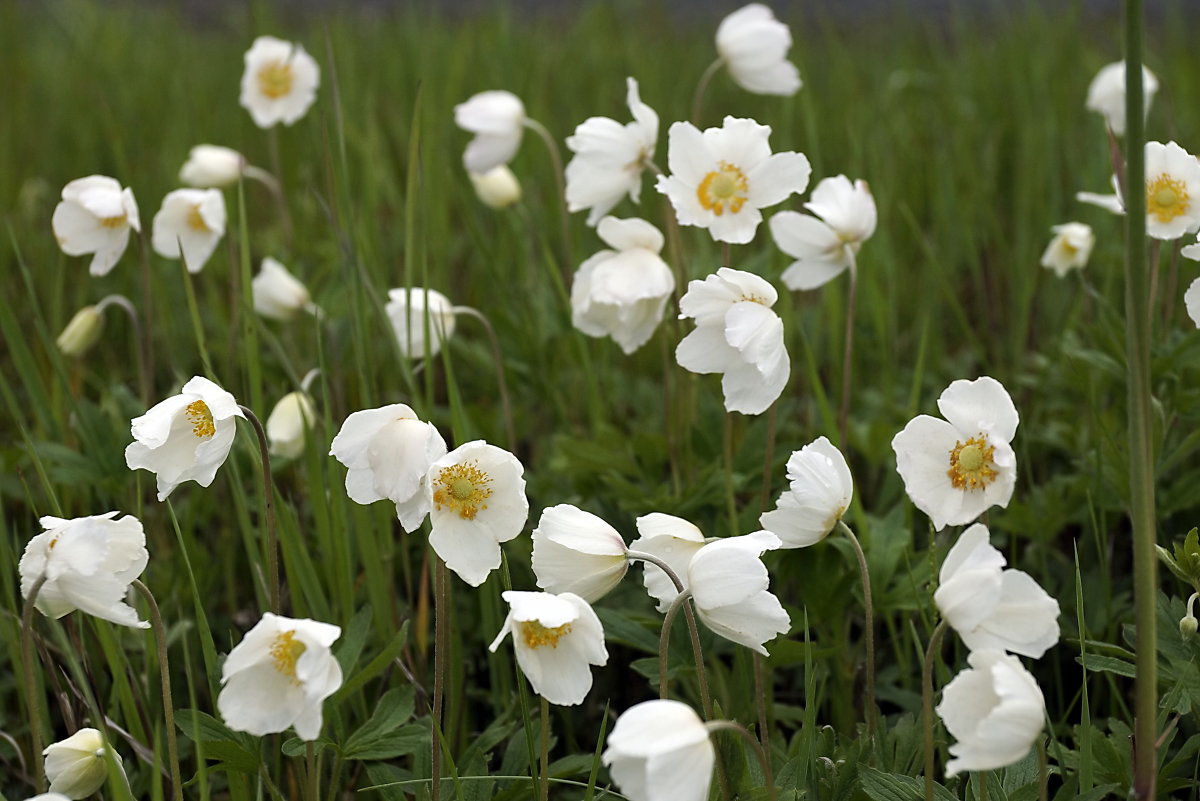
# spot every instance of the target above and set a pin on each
(994, 709)
(498, 188)
(76, 766)
(388, 452)
(477, 492)
(754, 45)
(212, 167)
(82, 332)
(609, 158)
(622, 293)
(729, 583)
(94, 216)
(1106, 94)
(89, 563)
(738, 336)
(955, 470)
(1191, 300)
(278, 294)
(288, 424)
(722, 177)
(674, 541)
(1172, 191)
(660, 751)
(408, 310)
(191, 220)
(819, 493)
(1069, 249)
(497, 118)
(825, 245)
(185, 437)
(280, 81)
(1113, 203)
(576, 551)
(278, 676)
(557, 638)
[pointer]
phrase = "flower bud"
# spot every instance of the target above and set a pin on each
(211, 166)
(288, 423)
(76, 766)
(498, 188)
(1187, 627)
(82, 332)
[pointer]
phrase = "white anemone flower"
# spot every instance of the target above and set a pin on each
(497, 118)
(278, 294)
(722, 177)
(388, 452)
(1191, 300)
(1070, 248)
(408, 310)
(994, 709)
(660, 751)
(729, 581)
(990, 607)
(76, 766)
(280, 81)
(622, 292)
(609, 158)
(955, 469)
(477, 492)
(191, 220)
(824, 246)
(738, 336)
(88, 563)
(819, 493)
(1106, 94)
(289, 423)
(94, 216)
(185, 437)
(498, 188)
(557, 638)
(1172, 191)
(674, 541)
(212, 167)
(754, 45)
(278, 676)
(577, 551)
(48, 797)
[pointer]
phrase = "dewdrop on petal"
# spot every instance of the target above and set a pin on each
(212, 167)
(82, 332)
(289, 423)
(498, 188)
(76, 766)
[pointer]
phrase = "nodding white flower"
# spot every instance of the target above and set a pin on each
(185, 437)
(754, 45)
(1106, 94)
(212, 167)
(825, 245)
(278, 294)
(953, 471)
(1172, 191)
(191, 220)
(557, 639)
(674, 541)
(407, 309)
(478, 497)
(609, 158)
(994, 709)
(621, 293)
(576, 551)
(993, 608)
(498, 188)
(94, 216)
(660, 751)
(278, 676)
(497, 118)
(738, 336)
(387, 452)
(1113, 203)
(1191, 299)
(722, 177)
(89, 563)
(76, 766)
(280, 81)
(819, 493)
(289, 423)
(82, 332)
(1070, 248)
(729, 583)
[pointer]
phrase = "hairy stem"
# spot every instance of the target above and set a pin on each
(848, 356)
(544, 777)
(868, 628)
(764, 758)
(31, 694)
(935, 645)
(439, 669)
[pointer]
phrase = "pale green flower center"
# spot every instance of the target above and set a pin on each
(275, 79)
(971, 466)
(115, 221)
(723, 188)
(1166, 198)
(536, 635)
(462, 488)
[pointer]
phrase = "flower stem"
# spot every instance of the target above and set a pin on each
(31, 694)
(502, 384)
(312, 785)
(730, 495)
(764, 728)
(164, 675)
(269, 507)
(664, 639)
(764, 758)
(143, 345)
(556, 163)
(983, 785)
(935, 644)
(439, 669)
(848, 356)
(702, 86)
(194, 313)
(275, 184)
(544, 778)
(868, 628)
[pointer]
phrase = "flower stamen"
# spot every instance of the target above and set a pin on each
(536, 635)
(116, 221)
(275, 79)
(1166, 198)
(285, 651)
(463, 488)
(201, 418)
(724, 188)
(971, 465)
(195, 219)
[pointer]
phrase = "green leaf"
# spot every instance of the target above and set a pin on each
(377, 734)
(625, 630)
(401, 742)
(1108, 664)
(376, 665)
(882, 786)
(295, 747)
(355, 637)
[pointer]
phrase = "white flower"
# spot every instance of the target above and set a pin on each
(674, 541)
(557, 639)
(1106, 94)
(754, 45)
(729, 583)
(76, 766)
(824, 247)
(288, 424)
(407, 310)
(278, 676)
(497, 119)
(280, 81)
(1113, 203)
(278, 294)
(48, 797)
(1172, 191)
(819, 494)
(497, 188)
(388, 452)
(722, 177)
(575, 551)
(994, 709)
(478, 497)
(185, 437)
(191, 219)
(212, 167)
(1070, 248)
(94, 216)
(89, 563)
(82, 332)
(609, 158)
(737, 335)
(1191, 300)
(621, 293)
(660, 751)
(953, 471)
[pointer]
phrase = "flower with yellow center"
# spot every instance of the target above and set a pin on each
(189, 225)
(95, 216)
(1070, 248)
(280, 81)
(827, 244)
(1172, 191)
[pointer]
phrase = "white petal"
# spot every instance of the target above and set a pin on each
(982, 405)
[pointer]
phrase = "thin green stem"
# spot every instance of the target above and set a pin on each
(768, 460)
(761, 694)
(32, 704)
(701, 86)
(439, 669)
(249, 317)
(274, 182)
(273, 591)
(848, 356)
(142, 348)
(935, 645)
(544, 776)
(164, 675)
(983, 785)
(868, 627)
(764, 758)
(664, 639)
(556, 163)
(727, 453)
(194, 313)
(312, 775)
(498, 360)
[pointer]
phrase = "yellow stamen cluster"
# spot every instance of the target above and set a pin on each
(971, 466)
(195, 219)
(1166, 198)
(536, 635)
(275, 79)
(724, 188)
(115, 221)
(285, 651)
(201, 417)
(462, 488)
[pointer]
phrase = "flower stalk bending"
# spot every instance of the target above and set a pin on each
(868, 628)
(269, 508)
(764, 759)
(31, 697)
(164, 673)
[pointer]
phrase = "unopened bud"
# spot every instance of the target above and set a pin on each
(82, 332)
(212, 166)
(498, 187)
(288, 423)
(1187, 627)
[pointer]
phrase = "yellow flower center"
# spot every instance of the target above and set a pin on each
(536, 635)
(115, 221)
(463, 488)
(195, 220)
(285, 650)
(275, 79)
(971, 464)
(201, 418)
(722, 189)
(1166, 198)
